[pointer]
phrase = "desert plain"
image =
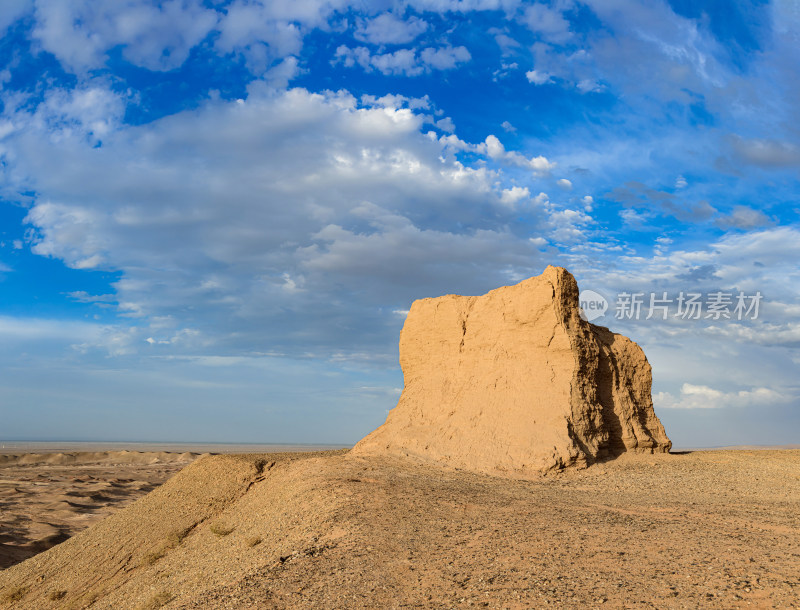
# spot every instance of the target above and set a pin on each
(48, 497)
(717, 529)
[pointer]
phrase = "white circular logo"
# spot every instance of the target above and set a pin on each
(593, 305)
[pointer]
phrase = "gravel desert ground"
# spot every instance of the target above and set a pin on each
(714, 529)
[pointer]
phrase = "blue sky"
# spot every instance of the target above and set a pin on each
(214, 215)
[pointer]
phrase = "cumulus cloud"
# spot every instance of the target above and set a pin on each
(568, 226)
(548, 23)
(514, 195)
(160, 35)
(492, 147)
(302, 201)
(538, 77)
(388, 28)
(444, 58)
(157, 36)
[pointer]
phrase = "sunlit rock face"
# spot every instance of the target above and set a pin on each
(515, 383)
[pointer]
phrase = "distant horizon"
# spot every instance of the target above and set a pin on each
(787, 446)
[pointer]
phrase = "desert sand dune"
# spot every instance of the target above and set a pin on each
(47, 497)
(96, 457)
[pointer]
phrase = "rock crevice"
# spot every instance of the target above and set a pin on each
(514, 382)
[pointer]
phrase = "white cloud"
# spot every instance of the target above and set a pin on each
(280, 75)
(514, 195)
(589, 85)
(568, 226)
(388, 28)
(301, 198)
(492, 147)
(11, 10)
(541, 199)
(564, 184)
(634, 219)
(444, 58)
(703, 397)
(506, 43)
(508, 127)
(402, 249)
(403, 61)
(675, 55)
(464, 6)
(548, 23)
(90, 111)
(84, 297)
(446, 124)
(31, 329)
(538, 78)
(264, 32)
(680, 182)
(155, 36)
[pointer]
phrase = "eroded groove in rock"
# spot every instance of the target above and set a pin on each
(515, 382)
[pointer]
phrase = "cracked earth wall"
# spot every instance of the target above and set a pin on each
(515, 383)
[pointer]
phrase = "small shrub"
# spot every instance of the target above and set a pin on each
(153, 556)
(14, 594)
(159, 599)
(56, 595)
(176, 537)
(220, 530)
(255, 540)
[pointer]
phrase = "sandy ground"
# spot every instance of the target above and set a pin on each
(717, 529)
(47, 497)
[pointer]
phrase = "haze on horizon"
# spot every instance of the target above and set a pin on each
(215, 214)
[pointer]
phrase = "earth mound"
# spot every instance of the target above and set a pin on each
(329, 531)
(515, 382)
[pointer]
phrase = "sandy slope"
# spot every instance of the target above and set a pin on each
(712, 529)
(48, 497)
